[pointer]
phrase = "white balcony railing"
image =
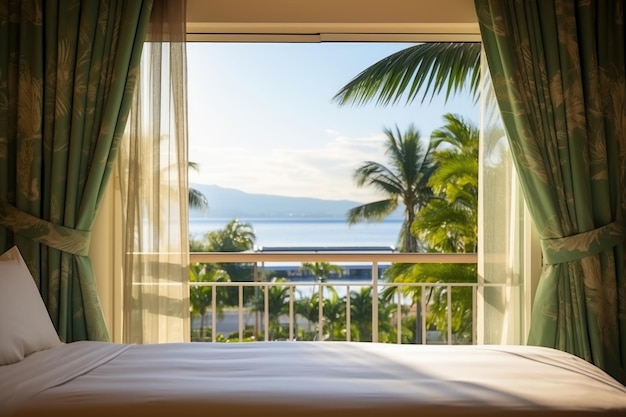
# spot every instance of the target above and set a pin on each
(374, 259)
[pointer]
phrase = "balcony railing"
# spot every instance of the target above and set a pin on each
(261, 259)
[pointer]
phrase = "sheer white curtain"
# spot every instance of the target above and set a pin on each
(501, 224)
(153, 175)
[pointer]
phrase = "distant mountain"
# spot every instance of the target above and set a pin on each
(231, 203)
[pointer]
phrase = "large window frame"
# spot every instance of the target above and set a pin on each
(107, 259)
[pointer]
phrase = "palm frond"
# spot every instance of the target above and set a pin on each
(461, 170)
(462, 134)
(198, 200)
(446, 227)
(428, 68)
(375, 211)
(194, 166)
(378, 175)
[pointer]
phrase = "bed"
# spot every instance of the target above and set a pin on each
(50, 378)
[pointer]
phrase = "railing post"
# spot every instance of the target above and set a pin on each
(399, 316)
(241, 324)
(348, 313)
(255, 278)
(291, 317)
(213, 314)
(449, 301)
(374, 301)
(320, 314)
(266, 311)
(474, 314)
(423, 314)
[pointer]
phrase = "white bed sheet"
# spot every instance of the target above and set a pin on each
(49, 368)
(328, 378)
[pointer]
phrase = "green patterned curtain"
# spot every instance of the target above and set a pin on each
(67, 72)
(558, 69)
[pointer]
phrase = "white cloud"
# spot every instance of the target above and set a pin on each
(322, 171)
(261, 117)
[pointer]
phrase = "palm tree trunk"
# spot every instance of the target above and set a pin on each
(410, 242)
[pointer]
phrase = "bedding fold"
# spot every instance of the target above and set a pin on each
(49, 368)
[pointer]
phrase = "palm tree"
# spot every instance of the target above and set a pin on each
(333, 311)
(361, 315)
(436, 296)
(447, 224)
(322, 270)
(278, 304)
(461, 300)
(234, 237)
(201, 296)
(406, 181)
(429, 68)
(307, 307)
(334, 317)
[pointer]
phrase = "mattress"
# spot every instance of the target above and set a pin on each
(305, 379)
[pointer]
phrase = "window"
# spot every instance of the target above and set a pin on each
(263, 120)
(279, 20)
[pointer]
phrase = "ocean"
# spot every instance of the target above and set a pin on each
(308, 231)
(318, 232)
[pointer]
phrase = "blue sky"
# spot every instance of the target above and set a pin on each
(262, 119)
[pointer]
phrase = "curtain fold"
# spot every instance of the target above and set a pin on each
(153, 177)
(67, 71)
(558, 69)
(501, 224)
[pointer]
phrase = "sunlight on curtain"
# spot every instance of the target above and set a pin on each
(501, 225)
(153, 175)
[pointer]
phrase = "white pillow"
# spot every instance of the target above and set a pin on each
(25, 326)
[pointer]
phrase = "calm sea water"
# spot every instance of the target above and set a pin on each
(308, 232)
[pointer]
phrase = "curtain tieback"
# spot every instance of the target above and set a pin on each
(42, 231)
(571, 248)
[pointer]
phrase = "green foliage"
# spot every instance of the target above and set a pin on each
(361, 316)
(436, 295)
(333, 313)
(334, 316)
(278, 304)
(235, 237)
(200, 297)
(206, 336)
(449, 223)
(247, 335)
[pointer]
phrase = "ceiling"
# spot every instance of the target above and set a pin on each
(331, 17)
